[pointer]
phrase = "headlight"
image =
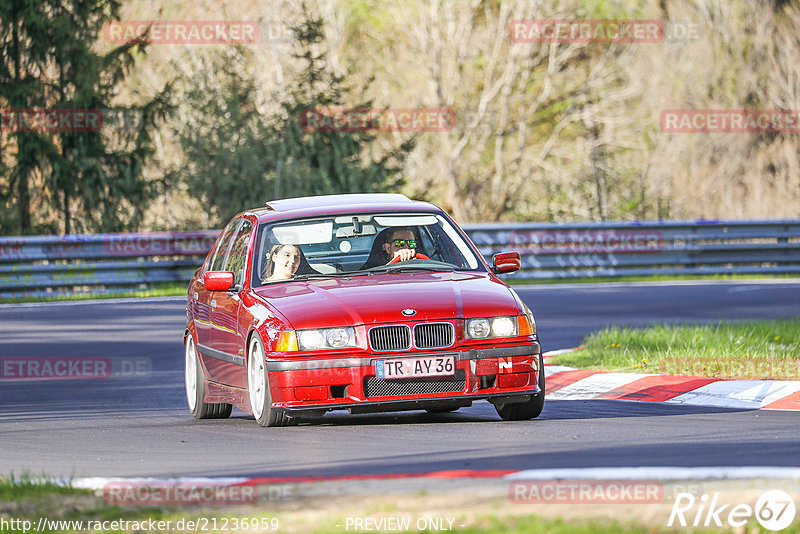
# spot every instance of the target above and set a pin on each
(478, 328)
(483, 328)
(504, 327)
(310, 339)
(326, 338)
(340, 337)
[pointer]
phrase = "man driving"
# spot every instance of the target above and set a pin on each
(400, 242)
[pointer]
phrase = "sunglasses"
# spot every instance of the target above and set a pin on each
(403, 242)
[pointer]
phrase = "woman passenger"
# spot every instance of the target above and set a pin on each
(282, 263)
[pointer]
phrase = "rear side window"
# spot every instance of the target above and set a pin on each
(218, 258)
(237, 257)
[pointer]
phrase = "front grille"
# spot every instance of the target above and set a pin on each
(433, 335)
(389, 338)
(376, 387)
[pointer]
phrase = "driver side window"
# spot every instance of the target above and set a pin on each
(237, 258)
(216, 261)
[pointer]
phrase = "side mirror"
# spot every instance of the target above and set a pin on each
(506, 262)
(218, 280)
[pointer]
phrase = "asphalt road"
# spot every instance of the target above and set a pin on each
(137, 424)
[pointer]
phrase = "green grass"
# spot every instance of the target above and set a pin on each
(654, 278)
(25, 487)
(26, 498)
(162, 290)
(171, 290)
(740, 350)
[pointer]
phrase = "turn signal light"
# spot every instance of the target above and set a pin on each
(524, 326)
(287, 341)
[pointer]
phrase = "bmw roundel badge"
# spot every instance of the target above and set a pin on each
(408, 312)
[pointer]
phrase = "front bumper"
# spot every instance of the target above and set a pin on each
(500, 374)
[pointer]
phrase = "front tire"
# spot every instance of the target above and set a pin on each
(195, 387)
(258, 387)
(523, 411)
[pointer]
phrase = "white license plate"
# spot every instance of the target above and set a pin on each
(416, 367)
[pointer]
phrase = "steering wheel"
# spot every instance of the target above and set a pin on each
(417, 256)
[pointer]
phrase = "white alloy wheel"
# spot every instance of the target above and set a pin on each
(191, 373)
(258, 388)
(196, 387)
(257, 377)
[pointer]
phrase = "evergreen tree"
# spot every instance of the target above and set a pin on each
(225, 141)
(236, 157)
(330, 161)
(94, 178)
(25, 50)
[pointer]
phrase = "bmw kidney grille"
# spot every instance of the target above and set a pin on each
(398, 337)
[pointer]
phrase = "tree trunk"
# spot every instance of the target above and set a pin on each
(23, 191)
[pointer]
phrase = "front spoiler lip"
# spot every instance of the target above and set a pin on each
(389, 403)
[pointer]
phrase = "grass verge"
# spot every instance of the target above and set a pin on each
(25, 499)
(162, 290)
(480, 509)
(735, 350)
(654, 278)
(171, 290)
(26, 487)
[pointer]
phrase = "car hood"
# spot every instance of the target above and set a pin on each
(380, 298)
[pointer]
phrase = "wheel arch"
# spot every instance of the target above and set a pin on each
(190, 330)
(253, 332)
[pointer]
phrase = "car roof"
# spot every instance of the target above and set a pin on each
(291, 208)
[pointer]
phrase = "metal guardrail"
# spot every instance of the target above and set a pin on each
(51, 265)
(99, 263)
(615, 249)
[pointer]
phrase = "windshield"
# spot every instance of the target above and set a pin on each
(360, 243)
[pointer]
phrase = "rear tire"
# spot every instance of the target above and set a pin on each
(195, 387)
(523, 411)
(258, 388)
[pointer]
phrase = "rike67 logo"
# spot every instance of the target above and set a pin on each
(774, 510)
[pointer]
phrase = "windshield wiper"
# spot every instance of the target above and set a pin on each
(315, 276)
(410, 268)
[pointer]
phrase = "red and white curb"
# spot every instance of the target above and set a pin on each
(567, 383)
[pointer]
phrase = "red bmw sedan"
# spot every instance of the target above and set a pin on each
(366, 303)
